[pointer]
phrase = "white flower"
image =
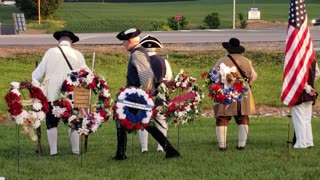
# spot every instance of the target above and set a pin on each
(21, 117)
(16, 91)
(36, 124)
(58, 111)
(37, 105)
(105, 93)
(89, 78)
(41, 115)
(15, 85)
(97, 117)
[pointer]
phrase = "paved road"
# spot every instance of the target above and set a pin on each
(198, 36)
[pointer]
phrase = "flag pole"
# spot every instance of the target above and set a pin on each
(86, 137)
(290, 143)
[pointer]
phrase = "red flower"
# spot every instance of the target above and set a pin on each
(15, 108)
(74, 121)
(12, 97)
(69, 88)
(127, 124)
(145, 125)
(107, 105)
(238, 87)
(137, 126)
(92, 85)
(204, 75)
(102, 113)
(35, 91)
(221, 97)
(66, 115)
(215, 87)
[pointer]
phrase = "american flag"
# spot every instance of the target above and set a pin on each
(299, 53)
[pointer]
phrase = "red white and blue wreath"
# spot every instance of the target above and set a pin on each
(185, 106)
(224, 85)
(63, 108)
(134, 108)
(39, 105)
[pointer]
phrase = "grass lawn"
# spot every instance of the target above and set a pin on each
(267, 155)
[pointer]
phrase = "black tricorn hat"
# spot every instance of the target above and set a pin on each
(233, 46)
(128, 34)
(150, 42)
(57, 35)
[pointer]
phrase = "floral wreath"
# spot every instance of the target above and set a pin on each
(224, 85)
(134, 108)
(39, 106)
(183, 108)
(90, 121)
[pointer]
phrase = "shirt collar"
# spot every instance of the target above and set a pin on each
(64, 43)
(152, 53)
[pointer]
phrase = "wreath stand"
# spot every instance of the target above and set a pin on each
(39, 146)
(82, 102)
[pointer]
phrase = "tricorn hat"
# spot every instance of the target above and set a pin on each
(150, 42)
(128, 34)
(233, 46)
(57, 35)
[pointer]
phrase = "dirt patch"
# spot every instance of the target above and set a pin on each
(259, 24)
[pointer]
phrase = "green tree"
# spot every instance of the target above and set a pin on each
(30, 8)
(243, 22)
(212, 20)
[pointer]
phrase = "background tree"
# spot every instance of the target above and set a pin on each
(243, 21)
(212, 20)
(30, 8)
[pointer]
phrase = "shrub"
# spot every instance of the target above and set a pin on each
(165, 28)
(157, 25)
(30, 8)
(243, 22)
(212, 20)
(177, 25)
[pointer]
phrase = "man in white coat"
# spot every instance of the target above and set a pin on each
(53, 69)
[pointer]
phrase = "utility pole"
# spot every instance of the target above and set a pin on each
(39, 15)
(234, 15)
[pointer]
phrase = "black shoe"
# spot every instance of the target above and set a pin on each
(240, 148)
(222, 148)
(173, 154)
(54, 155)
(123, 157)
(144, 152)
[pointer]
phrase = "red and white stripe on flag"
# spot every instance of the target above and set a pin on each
(299, 54)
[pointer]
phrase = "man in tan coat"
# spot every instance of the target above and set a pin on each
(239, 110)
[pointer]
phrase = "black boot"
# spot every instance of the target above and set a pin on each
(171, 152)
(122, 143)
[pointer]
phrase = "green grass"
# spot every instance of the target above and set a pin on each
(266, 156)
(114, 17)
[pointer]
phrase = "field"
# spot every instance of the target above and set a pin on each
(113, 17)
(267, 155)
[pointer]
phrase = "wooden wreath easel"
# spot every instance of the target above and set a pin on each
(82, 101)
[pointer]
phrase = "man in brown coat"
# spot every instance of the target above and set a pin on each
(239, 110)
